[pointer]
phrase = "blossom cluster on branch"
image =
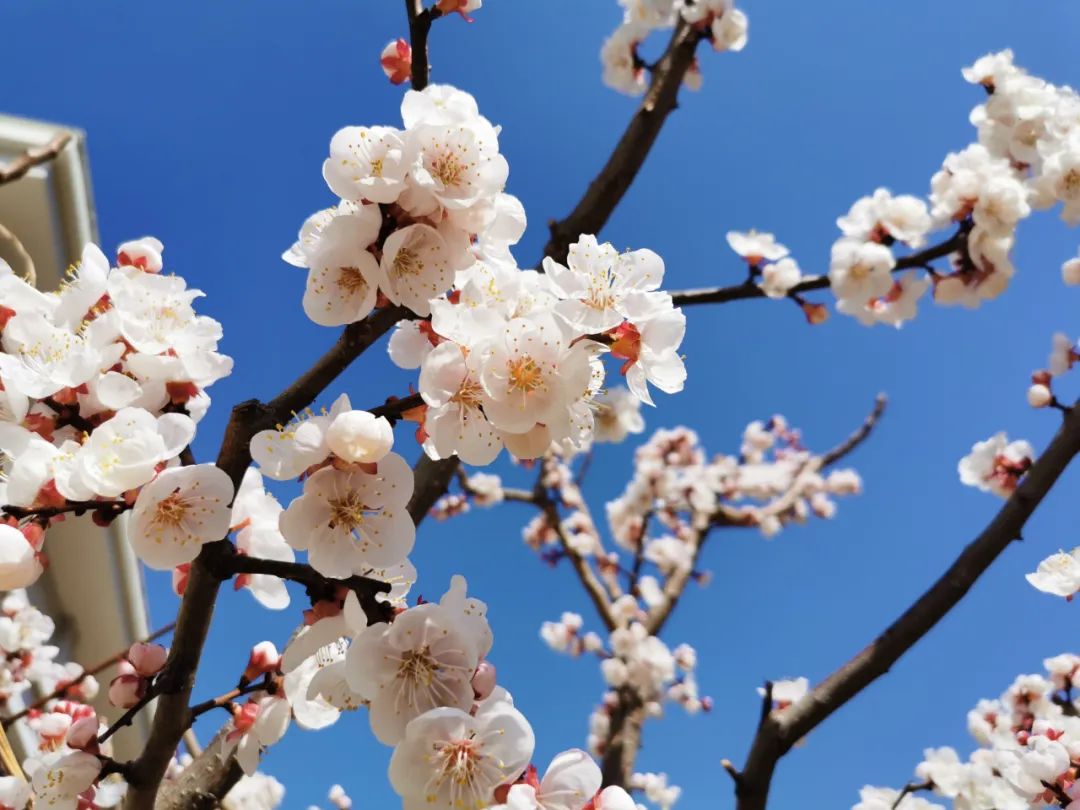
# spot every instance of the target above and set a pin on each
(717, 21)
(1028, 754)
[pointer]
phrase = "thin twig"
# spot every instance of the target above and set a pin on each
(748, 289)
(318, 586)
(62, 690)
(420, 20)
(608, 187)
(128, 717)
(909, 788)
(34, 157)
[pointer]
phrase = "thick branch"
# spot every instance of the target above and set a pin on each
(608, 187)
(431, 480)
(204, 580)
(34, 157)
(782, 729)
(749, 289)
(205, 781)
(624, 739)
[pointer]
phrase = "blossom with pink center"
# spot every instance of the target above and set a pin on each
(996, 465)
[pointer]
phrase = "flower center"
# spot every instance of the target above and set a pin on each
(351, 280)
(600, 297)
(461, 764)
(524, 374)
(1071, 183)
(171, 510)
(418, 667)
(860, 271)
(407, 262)
(376, 167)
(469, 394)
(448, 169)
(348, 511)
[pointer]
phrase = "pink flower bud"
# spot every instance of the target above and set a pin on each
(180, 576)
(126, 690)
(52, 727)
(396, 61)
(148, 659)
(83, 733)
(816, 314)
(264, 658)
(124, 667)
(483, 680)
(243, 719)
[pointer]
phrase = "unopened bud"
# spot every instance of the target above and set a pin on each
(815, 313)
(264, 658)
(83, 733)
(1039, 396)
(148, 659)
(180, 576)
(483, 680)
(360, 437)
(396, 61)
(126, 690)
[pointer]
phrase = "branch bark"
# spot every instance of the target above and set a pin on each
(782, 729)
(748, 289)
(197, 606)
(420, 20)
(608, 187)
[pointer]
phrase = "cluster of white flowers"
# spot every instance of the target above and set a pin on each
(1028, 755)
(768, 260)
(717, 21)
(770, 484)
(101, 384)
(29, 660)
(506, 357)
(64, 769)
(1026, 156)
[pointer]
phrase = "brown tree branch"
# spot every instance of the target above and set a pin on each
(203, 783)
(420, 20)
(318, 586)
(197, 606)
(608, 187)
(782, 729)
(909, 788)
(34, 157)
(748, 289)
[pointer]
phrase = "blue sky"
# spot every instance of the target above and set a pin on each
(207, 126)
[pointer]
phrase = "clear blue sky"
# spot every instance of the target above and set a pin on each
(208, 123)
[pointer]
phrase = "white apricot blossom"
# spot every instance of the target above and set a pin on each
(996, 465)
(1058, 574)
(451, 759)
(179, 511)
(347, 520)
